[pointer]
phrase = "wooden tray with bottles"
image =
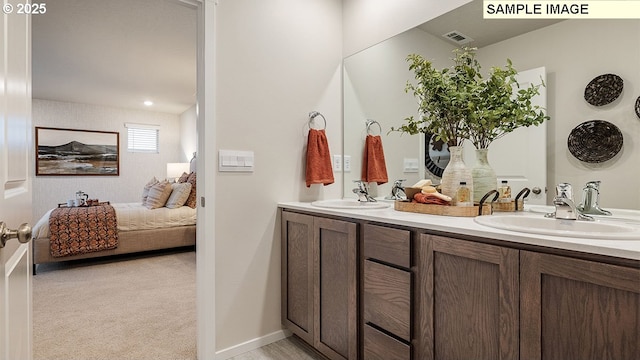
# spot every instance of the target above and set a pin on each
(509, 206)
(444, 210)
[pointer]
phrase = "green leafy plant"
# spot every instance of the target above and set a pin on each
(456, 103)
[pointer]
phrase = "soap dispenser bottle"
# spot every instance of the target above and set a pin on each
(504, 192)
(463, 195)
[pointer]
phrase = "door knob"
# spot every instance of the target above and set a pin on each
(23, 234)
(536, 190)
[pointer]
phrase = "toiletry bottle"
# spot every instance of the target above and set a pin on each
(463, 195)
(505, 192)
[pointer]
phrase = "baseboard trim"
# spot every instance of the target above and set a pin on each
(252, 344)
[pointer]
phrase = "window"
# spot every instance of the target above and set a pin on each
(142, 138)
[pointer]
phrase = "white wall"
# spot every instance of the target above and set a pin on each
(574, 52)
(188, 139)
(367, 22)
(276, 61)
(135, 168)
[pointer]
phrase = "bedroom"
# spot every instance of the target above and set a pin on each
(108, 74)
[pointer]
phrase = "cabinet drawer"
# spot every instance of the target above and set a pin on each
(380, 346)
(389, 245)
(387, 298)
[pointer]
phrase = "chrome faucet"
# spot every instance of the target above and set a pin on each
(565, 207)
(363, 192)
(590, 198)
(397, 191)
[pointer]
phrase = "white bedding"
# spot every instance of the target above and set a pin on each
(134, 216)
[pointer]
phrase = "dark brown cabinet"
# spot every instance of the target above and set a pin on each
(407, 294)
(467, 305)
(578, 309)
(319, 283)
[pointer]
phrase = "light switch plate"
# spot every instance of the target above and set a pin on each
(410, 165)
(337, 162)
(346, 163)
(235, 161)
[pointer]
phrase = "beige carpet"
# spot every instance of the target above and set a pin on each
(139, 308)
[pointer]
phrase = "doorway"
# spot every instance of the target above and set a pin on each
(197, 7)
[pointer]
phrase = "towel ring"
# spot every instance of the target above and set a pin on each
(312, 116)
(371, 122)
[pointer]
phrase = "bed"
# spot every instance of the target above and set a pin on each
(138, 229)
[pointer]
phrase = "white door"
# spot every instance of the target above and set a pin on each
(520, 157)
(15, 183)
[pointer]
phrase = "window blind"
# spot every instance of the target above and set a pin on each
(142, 138)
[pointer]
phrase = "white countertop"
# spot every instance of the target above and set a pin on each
(627, 249)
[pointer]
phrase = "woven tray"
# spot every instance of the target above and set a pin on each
(508, 206)
(444, 210)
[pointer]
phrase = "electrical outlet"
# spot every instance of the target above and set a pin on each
(347, 163)
(337, 162)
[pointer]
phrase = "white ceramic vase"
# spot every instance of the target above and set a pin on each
(484, 178)
(455, 172)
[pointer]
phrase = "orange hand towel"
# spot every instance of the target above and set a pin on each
(374, 168)
(319, 169)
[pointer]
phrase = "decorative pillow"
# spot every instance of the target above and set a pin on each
(192, 201)
(179, 195)
(158, 195)
(147, 187)
(183, 178)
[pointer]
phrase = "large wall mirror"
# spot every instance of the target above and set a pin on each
(374, 83)
(375, 79)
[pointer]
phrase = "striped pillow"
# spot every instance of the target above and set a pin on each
(158, 195)
(147, 187)
(179, 195)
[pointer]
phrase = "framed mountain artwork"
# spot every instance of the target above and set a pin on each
(65, 152)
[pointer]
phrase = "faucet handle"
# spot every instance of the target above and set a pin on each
(595, 184)
(564, 190)
(362, 186)
(399, 182)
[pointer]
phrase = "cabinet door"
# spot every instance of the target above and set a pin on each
(577, 309)
(335, 314)
(297, 274)
(467, 300)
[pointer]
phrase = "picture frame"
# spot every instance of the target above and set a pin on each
(74, 152)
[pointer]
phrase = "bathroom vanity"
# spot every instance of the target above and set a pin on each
(384, 284)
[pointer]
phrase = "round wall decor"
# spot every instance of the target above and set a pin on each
(595, 141)
(638, 106)
(603, 89)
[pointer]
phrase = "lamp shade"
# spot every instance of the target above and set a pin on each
(175, 170)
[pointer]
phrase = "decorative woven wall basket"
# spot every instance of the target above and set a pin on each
(603, 89)
(595, 141)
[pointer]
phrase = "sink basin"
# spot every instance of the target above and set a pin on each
(349, 204)
(618, 215)
(598, 229)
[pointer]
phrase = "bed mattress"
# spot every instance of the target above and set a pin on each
(134, 216)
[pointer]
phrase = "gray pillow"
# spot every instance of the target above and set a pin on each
(179, 195)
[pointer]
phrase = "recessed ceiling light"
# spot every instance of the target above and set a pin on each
(148, 103)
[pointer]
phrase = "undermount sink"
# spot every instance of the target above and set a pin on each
(538, 224)
(349, 204)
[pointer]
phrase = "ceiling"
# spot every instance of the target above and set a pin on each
(468, 20)
(116, 53)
